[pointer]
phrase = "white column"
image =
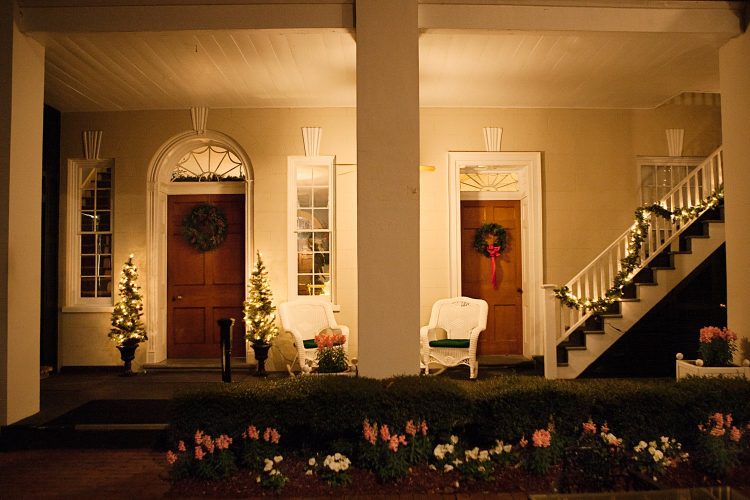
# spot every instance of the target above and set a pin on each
(21, 115)
(387, 186)
(734, 68)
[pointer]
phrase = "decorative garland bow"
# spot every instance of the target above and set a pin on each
(205, 227)
(494, 249)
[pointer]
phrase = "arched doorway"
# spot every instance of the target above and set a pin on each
(184, 166)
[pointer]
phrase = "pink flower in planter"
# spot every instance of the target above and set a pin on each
(718, 431)
(735, 434)
(171, 457)
(541, 438)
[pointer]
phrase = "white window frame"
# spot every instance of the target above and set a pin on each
(293, 163)
(664, 161)
(73, 300)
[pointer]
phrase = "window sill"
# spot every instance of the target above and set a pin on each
(88, 309)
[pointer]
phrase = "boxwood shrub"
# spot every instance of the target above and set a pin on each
(312, 411)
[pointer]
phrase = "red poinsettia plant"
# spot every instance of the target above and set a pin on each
(717, 345)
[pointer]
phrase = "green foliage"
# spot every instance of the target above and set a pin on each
(332, 359)
(259, 311)
(127, 327)
(383, 451)
(718, 446)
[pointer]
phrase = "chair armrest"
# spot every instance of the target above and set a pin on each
(423, 332)
(474, 341)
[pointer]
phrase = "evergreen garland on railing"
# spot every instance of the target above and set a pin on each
(632, 259)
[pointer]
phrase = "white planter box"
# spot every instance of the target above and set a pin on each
(688, 367)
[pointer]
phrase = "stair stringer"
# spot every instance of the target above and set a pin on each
(649, 296)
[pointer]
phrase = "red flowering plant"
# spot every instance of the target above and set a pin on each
(256, 447)
(384, 452)
(208, 458)
(539, 455)
(717, 345)
(331, 354)
(718, 445)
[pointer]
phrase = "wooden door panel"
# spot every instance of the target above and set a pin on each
(504, 334)
(203, 287)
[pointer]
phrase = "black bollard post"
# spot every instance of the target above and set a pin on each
(225, 336)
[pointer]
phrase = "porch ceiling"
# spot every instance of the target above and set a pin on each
(128, 69)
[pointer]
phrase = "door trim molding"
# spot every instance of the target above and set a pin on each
(158, 188)
(529, 167)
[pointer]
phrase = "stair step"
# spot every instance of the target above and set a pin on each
(594, 332)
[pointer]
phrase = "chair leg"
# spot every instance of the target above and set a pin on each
(474, 370)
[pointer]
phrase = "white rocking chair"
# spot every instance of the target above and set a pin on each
(305, 318)
(451, 337)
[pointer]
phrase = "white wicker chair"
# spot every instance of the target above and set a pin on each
(305, 318)
(463, 319)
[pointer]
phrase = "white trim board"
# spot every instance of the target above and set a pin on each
(528, 165)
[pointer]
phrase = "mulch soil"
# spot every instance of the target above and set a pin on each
(515, 482)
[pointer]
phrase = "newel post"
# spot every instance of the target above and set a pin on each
(551, 329)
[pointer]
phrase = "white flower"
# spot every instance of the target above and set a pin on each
(268, 465)
(454, 439)
(278, 458)
(658, 455)
(484, 455)
(309, 472)
(457, 462)
(507, 448)
(257, 479)
(439, 452)
(337, 456)
(432, 467)
(447, 468)
(312, 462)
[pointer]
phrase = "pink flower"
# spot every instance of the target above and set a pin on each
(735, 434)
(208, 443)
(402, 439)
(423, 427)
(198, 436)
(523, 442)
(275, 436)
(605, 428)
(728, 419)
(385, 433)
(589, 427)
(199, 453)
(370, 432)
(708, 333)
(717, 418)
(541, 438)
(171, 457)
(251, 433)
(411, 429)
(223, 442)
(181, 446)
(393, 444)
(718, 431)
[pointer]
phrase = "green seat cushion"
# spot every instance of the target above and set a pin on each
(310, 344)
(455, 343)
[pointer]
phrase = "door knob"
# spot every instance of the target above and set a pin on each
(519, 290)
(175, 298)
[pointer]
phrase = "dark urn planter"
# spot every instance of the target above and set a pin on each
(261, 355)
(127, 354)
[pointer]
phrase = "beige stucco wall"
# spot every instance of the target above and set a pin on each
(590, 184)
(735, 87)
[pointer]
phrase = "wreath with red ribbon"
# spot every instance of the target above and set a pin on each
(205, 227)
(494, 249)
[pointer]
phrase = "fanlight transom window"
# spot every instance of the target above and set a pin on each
(210, 163)
(479, 181)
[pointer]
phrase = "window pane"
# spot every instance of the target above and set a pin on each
(103, 199)
(320, 175)
(104, 287)
(320, 197)
(104, 243)
(647, 175)
(304, 262)
(304, 242)
(88, 287)
(103, 221)
(304, 219)
(104, 178)
(303, 284)
(322, 242)
(320, 218)
(87, 222)
(105, 265)
(87, 199)
(88, 242)
(304, 197)
(304, 175)
(88, 265)
(321, 262)
(88, 177)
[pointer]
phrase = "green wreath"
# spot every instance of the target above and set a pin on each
(205, 227)
(500, 238)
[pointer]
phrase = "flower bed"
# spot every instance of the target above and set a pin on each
(430, 435)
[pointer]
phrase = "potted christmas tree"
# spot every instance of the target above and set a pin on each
(127, 328)
(260, 315)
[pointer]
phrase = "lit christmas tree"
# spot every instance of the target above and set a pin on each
(260, 313)
(127, 327)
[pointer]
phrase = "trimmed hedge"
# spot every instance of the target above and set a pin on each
(313, 411)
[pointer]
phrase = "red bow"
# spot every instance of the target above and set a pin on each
(494, 251)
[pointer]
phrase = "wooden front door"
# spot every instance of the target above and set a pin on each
(203, 287)
(504, 333)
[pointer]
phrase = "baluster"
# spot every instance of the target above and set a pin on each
(720, 163)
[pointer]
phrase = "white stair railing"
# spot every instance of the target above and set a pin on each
(598, 276)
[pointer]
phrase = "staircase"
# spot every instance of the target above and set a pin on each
(671, 250)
